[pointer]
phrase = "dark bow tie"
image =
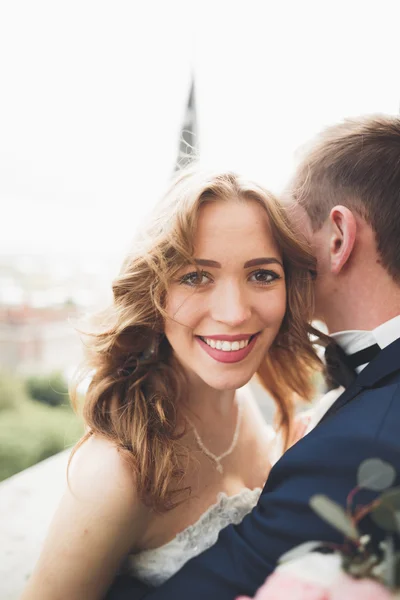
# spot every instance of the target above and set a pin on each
(340, 368)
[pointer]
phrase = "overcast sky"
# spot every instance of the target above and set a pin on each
(93, 96)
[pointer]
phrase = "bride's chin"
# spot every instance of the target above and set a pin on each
(228, 383)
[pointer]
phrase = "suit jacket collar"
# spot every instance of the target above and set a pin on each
(385, 364)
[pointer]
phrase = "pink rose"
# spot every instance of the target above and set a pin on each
(347, 588)
(284, 586)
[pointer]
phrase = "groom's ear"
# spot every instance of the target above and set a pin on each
(343, 228)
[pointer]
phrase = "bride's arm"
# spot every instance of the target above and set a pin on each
(96, 523)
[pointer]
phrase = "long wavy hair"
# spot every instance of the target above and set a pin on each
(134, 396)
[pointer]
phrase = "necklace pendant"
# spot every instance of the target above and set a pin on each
(213, 457)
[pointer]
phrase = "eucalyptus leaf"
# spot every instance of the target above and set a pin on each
(375, 474)
(391, 498)
(385, 517)
(300, 550)
(387, 513)
(335, 515)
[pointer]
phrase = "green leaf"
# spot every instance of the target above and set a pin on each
(391, 498)
(375, 474)
(387, 513)
(335, 515)
(385, 518)
(298, 551)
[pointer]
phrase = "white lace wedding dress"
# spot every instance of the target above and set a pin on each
(155, 566)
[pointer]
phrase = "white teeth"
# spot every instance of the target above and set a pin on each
(226, 346)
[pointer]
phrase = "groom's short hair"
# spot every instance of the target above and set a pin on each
(356, 164)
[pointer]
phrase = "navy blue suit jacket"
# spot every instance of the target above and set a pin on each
(363, 423)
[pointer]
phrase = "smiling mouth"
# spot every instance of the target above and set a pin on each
(227, 346)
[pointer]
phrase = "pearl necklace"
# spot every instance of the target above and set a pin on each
(217, 459)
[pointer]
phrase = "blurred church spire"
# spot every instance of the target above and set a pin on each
(188, 138)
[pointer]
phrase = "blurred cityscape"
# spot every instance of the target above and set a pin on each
(42, 298)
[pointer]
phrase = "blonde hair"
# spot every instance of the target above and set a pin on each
(134, 395)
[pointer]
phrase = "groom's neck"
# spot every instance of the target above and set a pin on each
(360, 314)
(362, 297)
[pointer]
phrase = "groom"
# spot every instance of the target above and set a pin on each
(345, 197)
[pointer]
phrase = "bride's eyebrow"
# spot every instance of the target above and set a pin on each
(202, 262)
(255, 262)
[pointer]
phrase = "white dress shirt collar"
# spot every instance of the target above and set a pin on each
(354, 340)
(351, 342)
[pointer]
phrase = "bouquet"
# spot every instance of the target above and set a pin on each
(360, 568)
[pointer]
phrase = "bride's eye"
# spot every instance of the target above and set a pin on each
(195, 279)
(264, 277)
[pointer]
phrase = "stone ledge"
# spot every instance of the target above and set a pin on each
(27, 504)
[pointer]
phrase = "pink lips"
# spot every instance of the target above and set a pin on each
(234, 355)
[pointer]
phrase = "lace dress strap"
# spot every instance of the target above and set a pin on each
(155, 566)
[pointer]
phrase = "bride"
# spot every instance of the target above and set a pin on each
(216, 290)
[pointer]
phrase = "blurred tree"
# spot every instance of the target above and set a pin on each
(12, 391)
(51, 389)
(32, 431)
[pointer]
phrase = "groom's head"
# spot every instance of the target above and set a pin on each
(346, 194)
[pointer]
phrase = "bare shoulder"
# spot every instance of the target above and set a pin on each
(98, 463)
(100, 475)
(99, 521)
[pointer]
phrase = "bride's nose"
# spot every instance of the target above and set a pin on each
(230, 305)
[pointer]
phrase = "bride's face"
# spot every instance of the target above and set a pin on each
(222, 323)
